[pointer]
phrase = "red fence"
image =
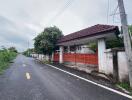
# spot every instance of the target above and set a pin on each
(78, 58)
(56, 57)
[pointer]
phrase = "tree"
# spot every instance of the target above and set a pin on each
(130, 29)
(28, 52)
(45, 42)
(12, 49)
(112, 43)
(130, 32)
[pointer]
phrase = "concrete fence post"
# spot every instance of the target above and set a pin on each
(61, 54)
(101, 55)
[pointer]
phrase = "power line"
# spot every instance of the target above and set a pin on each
(116, 9)
(108, 11)
(61, 11)
(68, 4)
(114, 13)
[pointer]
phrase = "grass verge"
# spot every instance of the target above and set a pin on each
(6, 57)
(125, 87)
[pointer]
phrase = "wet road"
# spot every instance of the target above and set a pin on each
(28, 80)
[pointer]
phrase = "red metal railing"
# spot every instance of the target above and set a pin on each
(78, 58)
(56, 57)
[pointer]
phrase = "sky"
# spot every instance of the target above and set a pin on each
(22, 20)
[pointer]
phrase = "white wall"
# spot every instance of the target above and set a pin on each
(87, 50)
(102, 55)
(84, 49)
(109, 62)
(41, 57)
(122, 66)
(34, 55)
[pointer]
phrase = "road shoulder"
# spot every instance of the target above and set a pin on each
(91, 79)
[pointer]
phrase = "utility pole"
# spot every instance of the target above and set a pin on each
(126, 36)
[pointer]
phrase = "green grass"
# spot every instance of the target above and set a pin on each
(126, 86)
(5, 58)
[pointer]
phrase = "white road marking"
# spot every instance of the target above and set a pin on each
(107, 88)
(28, 76)
(24, 65)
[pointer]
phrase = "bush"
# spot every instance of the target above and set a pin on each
(5, 57)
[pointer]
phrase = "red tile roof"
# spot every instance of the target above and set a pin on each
(89, 32)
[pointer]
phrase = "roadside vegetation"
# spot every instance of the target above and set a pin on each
(6, 56)
(130, 29)
(28, 52)
(125, 86)
(45, 42)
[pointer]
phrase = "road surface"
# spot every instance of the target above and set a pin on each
(28, 80)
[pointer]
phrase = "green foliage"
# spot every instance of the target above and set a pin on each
(130, 29)
(28, 52)
(114, 43)
(125, 85)
(93, 46)
(5, 57)
(13, 49)
(46, 62)
(109, 44)
(45, 42)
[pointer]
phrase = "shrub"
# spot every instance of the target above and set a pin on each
(5, 57)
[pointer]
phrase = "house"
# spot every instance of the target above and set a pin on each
(74, 49)
(71, 47)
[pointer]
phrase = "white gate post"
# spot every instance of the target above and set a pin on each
(68, 47)
(101, 55)
(61, 54)
(52, 59)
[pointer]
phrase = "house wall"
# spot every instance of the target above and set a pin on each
(84, 49)
(40, 57)
(108, 68)
(34, 55)
(122, 66)
(109, 62)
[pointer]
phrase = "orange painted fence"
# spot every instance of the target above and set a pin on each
(56, 57)
(78, 58)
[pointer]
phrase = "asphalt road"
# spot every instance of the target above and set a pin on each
(28, 80)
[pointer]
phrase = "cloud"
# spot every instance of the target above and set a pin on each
(22, 20)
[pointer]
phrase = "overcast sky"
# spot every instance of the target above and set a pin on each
(22, 20)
